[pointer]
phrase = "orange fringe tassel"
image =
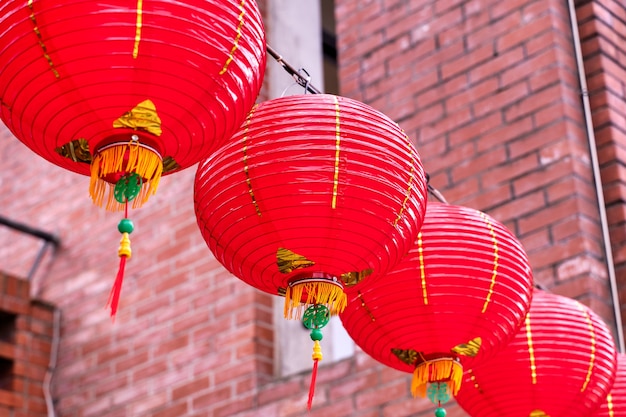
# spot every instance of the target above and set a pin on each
(437, 370)
(140, 160)
(317, 292)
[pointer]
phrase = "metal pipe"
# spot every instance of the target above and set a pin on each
(595, 164)
(54, 351)
(49, 237)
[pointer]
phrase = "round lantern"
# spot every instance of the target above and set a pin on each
(113, 88)
(615, 403)
(459, 295)
(128, 91)
(313, 195)
(560, 363)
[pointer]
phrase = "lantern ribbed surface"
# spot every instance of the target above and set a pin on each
(459, 295)
(615, 403)
(72, 71)
(312, 187)
(561, 363)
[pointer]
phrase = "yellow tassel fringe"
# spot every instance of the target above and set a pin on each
(437, 370)
(317, 292)
(141, 160)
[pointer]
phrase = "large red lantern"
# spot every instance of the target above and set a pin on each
(615, 403)
(561, 363)
(148, 87)
(128, 91)
(458, 296)
(314, 194)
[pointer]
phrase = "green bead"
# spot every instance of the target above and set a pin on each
(316, 334)
(440, 412)
(125, 226)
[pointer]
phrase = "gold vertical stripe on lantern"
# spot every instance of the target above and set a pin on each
(369, 312)
(420, 250)
(40, 39)
(411, 175)
(609, 404)
(531, 350)
(245, 162)
(231, 56)
(615, 403)
(592, 355)
(337, 143)
(494, 274)
(138, 25)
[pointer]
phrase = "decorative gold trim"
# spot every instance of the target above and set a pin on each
(76, 150)
(470, 348)
(408, 356)
(411, 179)
(337, 150)
(538, 413)
(40, 39)
(169, 164)
(142, 117)
(138, 26)
(245, 161)
(592, 356)
(237, 37)
(609, 405)
(531, 350)
(494, 273)
(288, 261)
(352, 278)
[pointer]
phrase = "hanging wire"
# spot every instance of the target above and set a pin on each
(296, 74)
(305, 81)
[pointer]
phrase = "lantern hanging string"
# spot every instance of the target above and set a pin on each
(300, 79)
(308, 87)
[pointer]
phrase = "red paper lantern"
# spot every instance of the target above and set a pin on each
(312, 195)
(458, 296)
(561, 363)
(615, 403)
(146, 87)
(128, 91)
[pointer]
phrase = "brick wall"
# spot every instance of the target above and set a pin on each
(26, 328)
(489, 92)
(487, 89)
(602, 26)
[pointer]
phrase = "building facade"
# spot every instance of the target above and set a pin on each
(517, 110)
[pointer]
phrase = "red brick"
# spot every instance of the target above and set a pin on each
(189, 389)
(211, 399)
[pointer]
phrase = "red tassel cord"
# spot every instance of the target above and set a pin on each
(316, 336)
(125, 227)
(309, 403)
(314, 318)
(114, 296)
